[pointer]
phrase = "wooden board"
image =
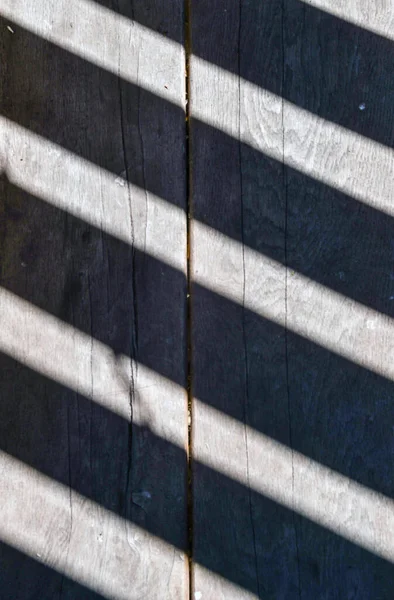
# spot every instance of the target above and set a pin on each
(291, 252)
(342, 413)
(86, 156)
(317, 261)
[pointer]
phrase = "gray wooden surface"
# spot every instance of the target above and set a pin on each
(287, 246)
(94, 500)
(292, 336)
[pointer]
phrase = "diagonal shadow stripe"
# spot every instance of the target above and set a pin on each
(339, 221)
(161, 18)
(71, 283)
(331, 237)
(378, 22)
(90, 471)
(25, 214)
(23, 577)
(357, 396)
(386, 398)
(311, 81)
(87, 449)
(79, 106)
(167, 223)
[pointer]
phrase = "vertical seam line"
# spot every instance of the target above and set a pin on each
(188, 176)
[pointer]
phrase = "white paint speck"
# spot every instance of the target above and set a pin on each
(362, 106)
(120, 181)
(10, 29)
(23, 264)
(197, 595)
(391, 298)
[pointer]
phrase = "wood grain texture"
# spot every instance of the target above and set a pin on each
(120, 479)
(291, 264)
(238, 358)
(341, 414)
(289, 383)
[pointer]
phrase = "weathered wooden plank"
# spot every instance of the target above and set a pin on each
(341, 415)
(370, 85)
(102, 285)
(302, 394)
(238, 358)
(26, 333)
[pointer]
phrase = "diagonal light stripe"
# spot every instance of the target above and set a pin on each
(338, 157)
(219, 587)
(317, 313)
(331, 500)
(77, 537)
(348, 162)
(347, 327)
(101, 198)
(106, 39)
(74, 359)
(62, 353)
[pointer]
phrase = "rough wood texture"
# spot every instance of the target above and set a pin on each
(291, 264)
(306, 396)
(125, 489)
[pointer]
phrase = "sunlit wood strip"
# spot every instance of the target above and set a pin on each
(340, 158)
(61, 353)
(329, 319)
(58, 527)
(326, 497)
(106, 39)
(100, 198)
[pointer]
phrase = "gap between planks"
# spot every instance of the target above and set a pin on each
(187, 44)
